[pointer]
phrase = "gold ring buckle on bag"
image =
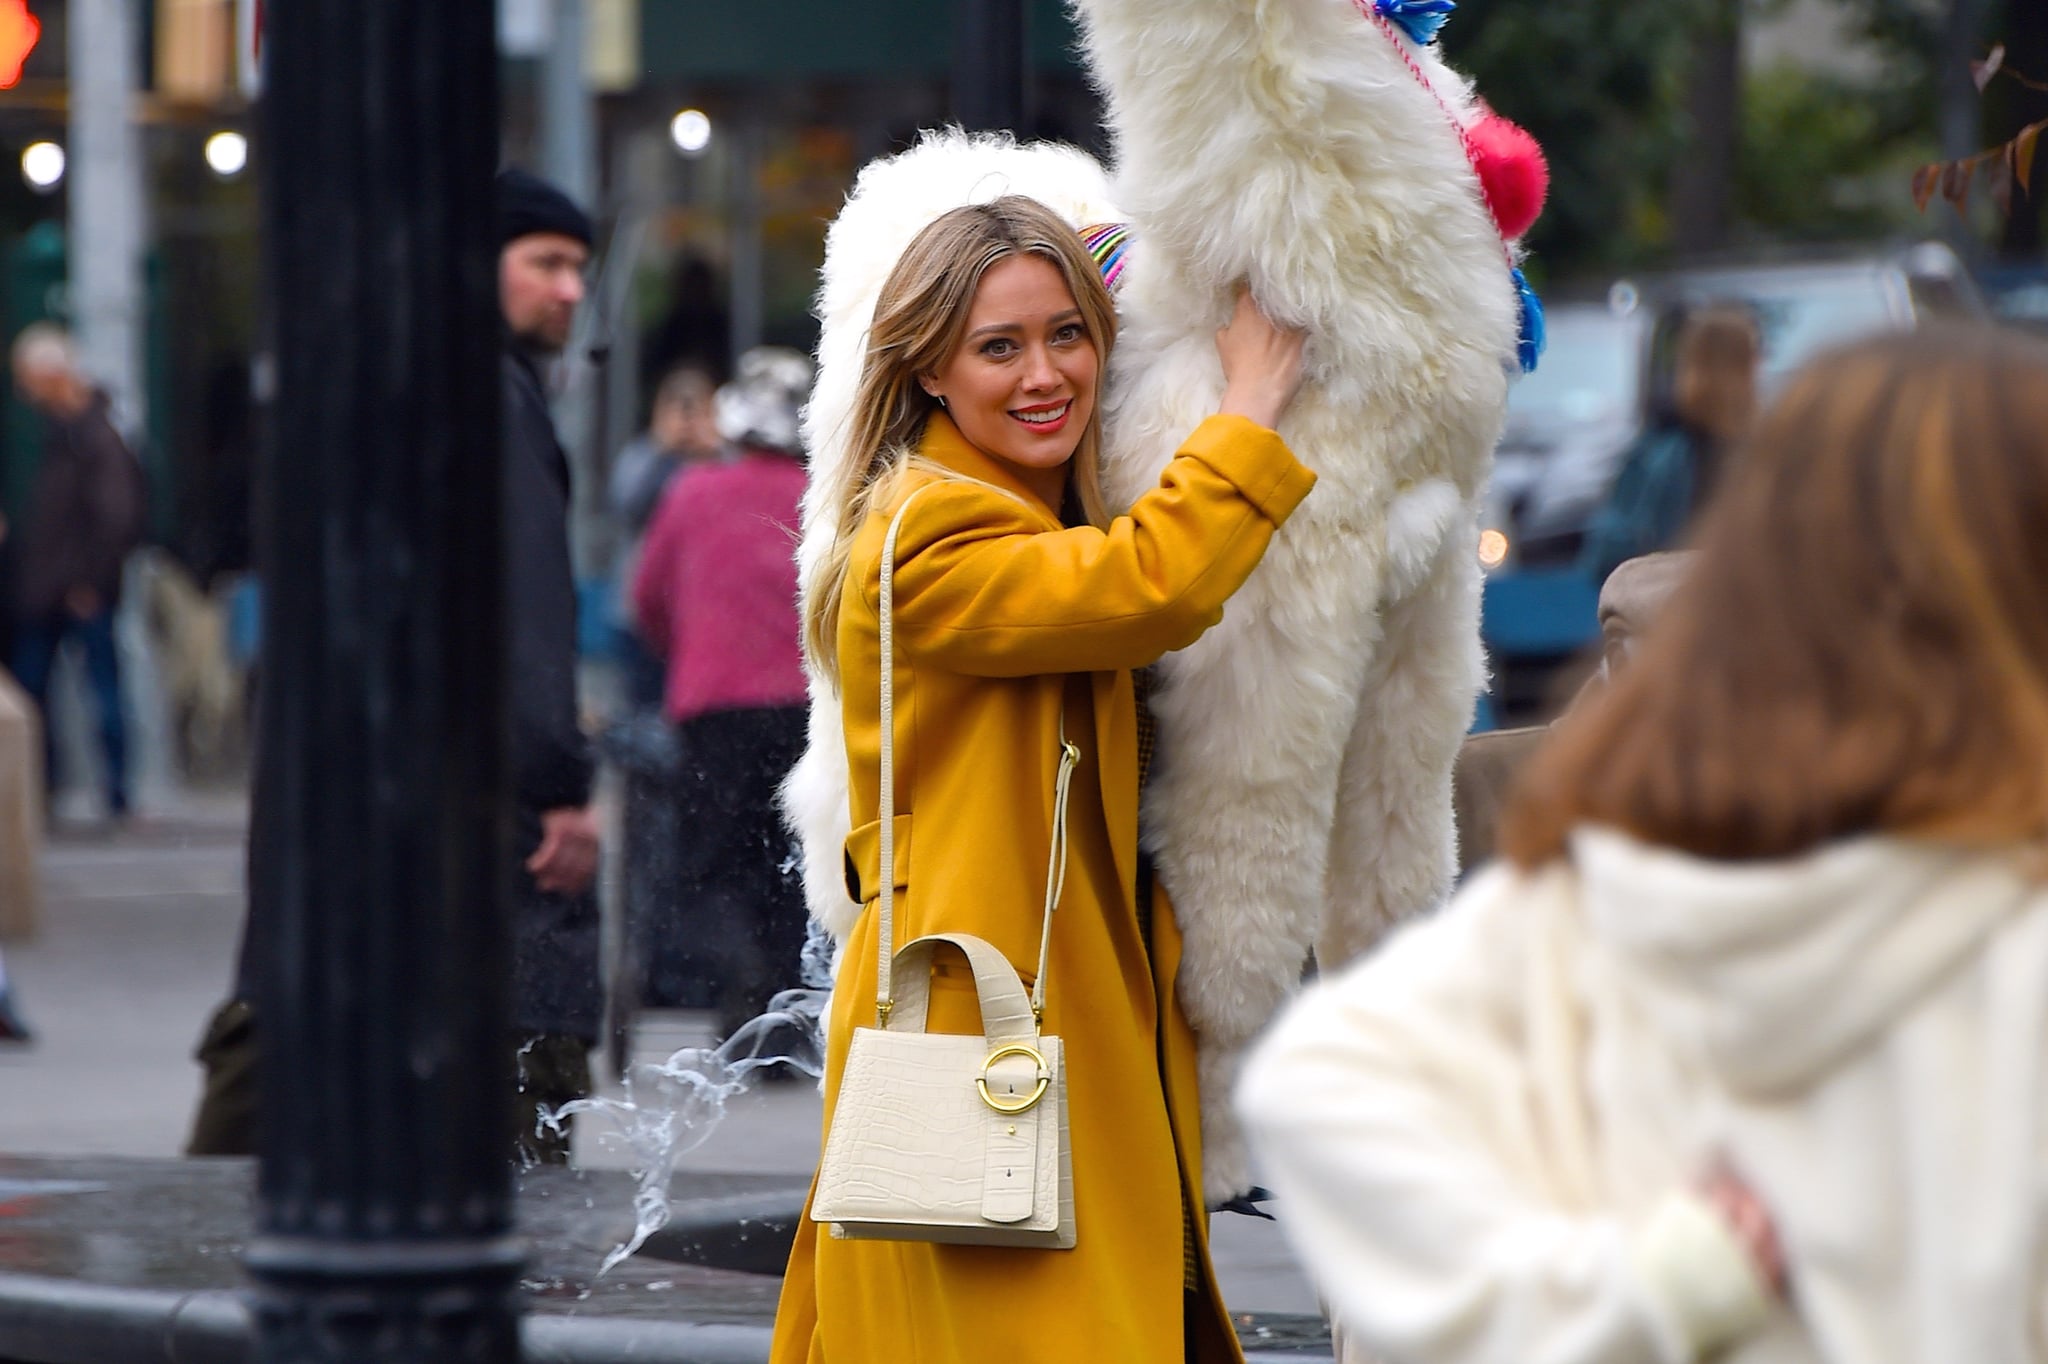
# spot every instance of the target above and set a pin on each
(1014, 1049)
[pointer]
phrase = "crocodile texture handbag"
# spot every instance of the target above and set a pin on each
(950, 1137)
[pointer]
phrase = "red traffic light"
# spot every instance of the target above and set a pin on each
(18, 33)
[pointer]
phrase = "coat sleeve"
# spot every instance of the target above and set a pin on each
(982, 587)
(119, 514)
(1399, 1113)
(1646, 510)
(551, 761)
(638, 479)
(114, 514)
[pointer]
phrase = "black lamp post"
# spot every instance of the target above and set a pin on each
(990, 59)
(385, 1196)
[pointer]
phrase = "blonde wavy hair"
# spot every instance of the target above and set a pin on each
(919, 320)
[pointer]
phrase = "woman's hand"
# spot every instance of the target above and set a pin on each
(1746, 1216)
(1261, 363)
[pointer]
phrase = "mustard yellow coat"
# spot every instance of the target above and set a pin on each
(1004, 623)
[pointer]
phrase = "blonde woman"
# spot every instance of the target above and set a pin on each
(1022, 606)
(1742, 1054)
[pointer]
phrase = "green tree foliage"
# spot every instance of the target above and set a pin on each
(1824, 158)
(1823, 155)
(1906, 35)
(1595, 82)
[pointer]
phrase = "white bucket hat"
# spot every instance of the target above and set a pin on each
(761, 406)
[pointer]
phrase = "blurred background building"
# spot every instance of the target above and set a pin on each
(715, 140)
(714, 219)
(720, 138)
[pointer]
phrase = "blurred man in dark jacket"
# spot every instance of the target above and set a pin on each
(557, 994)
(85, 517)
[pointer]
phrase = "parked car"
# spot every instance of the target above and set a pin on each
(1570, 424)
(1805, 307)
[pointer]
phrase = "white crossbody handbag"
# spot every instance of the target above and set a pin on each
(950, 1137)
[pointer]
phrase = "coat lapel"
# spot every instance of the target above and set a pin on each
(943, 444)
(1112, 695)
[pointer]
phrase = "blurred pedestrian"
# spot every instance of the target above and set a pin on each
(12, 1027)
(1673, 468)
(556, 994)
(1021, 609)
(716, 597)
(557, 991)
(85, 516)
(681, 429)
(1744, 1047)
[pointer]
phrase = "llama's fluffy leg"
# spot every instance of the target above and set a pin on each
(1252, 726)
(1393, 851)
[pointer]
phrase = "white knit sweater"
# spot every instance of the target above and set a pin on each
(1482, 1136)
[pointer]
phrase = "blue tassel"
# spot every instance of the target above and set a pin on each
(1529, 344)
(1419, 19)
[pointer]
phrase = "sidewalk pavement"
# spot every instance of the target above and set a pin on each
(138, 941)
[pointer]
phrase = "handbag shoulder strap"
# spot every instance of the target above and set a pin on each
(1056, 862)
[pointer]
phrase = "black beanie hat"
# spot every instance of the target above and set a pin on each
(528, 204)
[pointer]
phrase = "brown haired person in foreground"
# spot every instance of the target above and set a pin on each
(1744, 1046)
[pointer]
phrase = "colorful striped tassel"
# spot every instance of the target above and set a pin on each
(1106, 242)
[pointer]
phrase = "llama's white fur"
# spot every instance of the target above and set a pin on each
(1302, 797)
(1303, 793)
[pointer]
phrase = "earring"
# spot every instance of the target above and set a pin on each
(942, 400)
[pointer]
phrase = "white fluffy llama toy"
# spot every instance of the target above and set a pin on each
(1321, 151)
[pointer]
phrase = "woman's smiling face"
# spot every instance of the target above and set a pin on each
(1021, 383)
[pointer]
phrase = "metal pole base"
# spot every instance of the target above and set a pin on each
(374, 1303)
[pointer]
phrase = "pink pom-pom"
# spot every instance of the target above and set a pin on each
(1511, 170)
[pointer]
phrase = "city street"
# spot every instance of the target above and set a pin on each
(137, 947)
(1531, 513)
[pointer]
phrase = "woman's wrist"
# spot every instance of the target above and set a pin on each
(1262, 408)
